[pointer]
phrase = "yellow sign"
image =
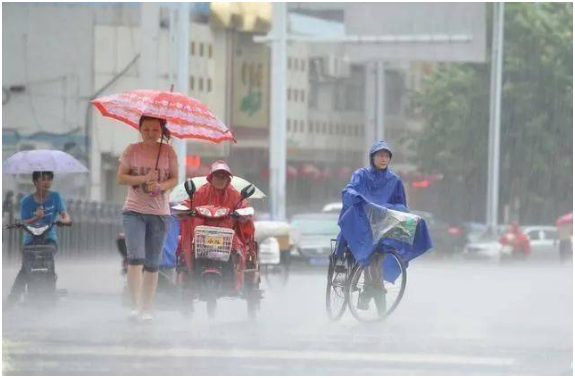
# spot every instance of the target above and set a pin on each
(246, 17)
(214, 241)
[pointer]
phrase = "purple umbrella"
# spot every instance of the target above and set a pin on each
(55, 161)
(27, 162)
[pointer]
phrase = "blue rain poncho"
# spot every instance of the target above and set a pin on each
(370, 191)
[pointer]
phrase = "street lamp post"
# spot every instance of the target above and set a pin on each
(278, 153)
(495, 118)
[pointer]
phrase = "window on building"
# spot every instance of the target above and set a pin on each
(301, 126)
(209, 85)
(310, 127)
(394, 92)
(191, 83)
(201, 84)
(192, 48)
(295, 95)
(288, 125)
(324, 128)
(201, 49)
(289, 63)
(289, 94)
(210, 51)
(313, 97)
(303, 65)
(302, 95)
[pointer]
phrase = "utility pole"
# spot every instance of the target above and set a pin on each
(380, 105)
(370, 117)
(495, 118)
(278, 152)
(183, 38)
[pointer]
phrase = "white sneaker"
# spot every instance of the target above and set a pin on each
(146, 317)
(134, 315)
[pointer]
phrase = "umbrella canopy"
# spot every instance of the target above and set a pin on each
(564, 219)
(55, 161)
(186, 117)
(179, 194)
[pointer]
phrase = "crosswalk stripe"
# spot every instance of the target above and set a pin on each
(268, 354)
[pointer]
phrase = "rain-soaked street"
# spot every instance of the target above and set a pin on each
(456, 319)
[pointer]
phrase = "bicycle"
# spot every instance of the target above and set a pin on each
(347, 282)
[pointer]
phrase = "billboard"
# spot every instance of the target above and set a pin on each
(250, 93)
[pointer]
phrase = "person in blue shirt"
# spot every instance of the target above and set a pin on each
(41, 208)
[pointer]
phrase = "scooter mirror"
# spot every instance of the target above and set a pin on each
(190, 187)
(248, 191)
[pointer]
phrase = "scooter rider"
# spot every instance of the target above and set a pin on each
(41, 208)
(219, 192)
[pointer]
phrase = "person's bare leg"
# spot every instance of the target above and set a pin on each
(149, 290)
(135, 285)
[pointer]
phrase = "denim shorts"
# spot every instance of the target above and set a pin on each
(145, 237)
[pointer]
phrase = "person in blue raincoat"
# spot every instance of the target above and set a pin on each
(169, 257)
(376, 184)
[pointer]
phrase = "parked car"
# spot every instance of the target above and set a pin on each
(312, 234)
(544, 242)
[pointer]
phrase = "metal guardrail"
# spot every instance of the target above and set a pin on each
(95, 226)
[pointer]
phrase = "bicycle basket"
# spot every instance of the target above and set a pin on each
(213, 243)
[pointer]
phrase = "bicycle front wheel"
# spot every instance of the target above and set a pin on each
(335, 293)
(371, 301)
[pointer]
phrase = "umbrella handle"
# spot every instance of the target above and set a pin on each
(160, 150)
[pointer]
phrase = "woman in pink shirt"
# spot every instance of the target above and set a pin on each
(150, 169)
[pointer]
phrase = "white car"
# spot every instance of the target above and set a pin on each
(543, 240)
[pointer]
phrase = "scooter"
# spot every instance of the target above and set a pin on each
(214, 265)
(38, 264)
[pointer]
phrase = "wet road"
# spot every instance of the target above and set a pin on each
(455, 319)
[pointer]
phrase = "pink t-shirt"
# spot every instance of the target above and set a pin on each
(138, 199)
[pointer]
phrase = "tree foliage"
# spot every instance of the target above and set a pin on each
(536, 120)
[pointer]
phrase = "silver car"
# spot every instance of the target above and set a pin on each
(312, 234)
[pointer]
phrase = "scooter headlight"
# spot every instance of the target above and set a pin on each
(37, 231)
(221, 213)
(204, 211)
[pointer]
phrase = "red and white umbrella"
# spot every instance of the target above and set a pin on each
(564, 219)
(186, 117)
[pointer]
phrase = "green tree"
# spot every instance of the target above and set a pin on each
(536, 120)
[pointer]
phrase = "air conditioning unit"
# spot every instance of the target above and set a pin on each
(335, 67)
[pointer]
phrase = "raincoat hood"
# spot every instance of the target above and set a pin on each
(378, 146)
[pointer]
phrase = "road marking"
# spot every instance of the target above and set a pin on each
(267, 355)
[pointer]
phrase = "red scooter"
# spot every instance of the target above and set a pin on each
(213, 271)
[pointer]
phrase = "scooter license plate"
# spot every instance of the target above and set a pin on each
(214, 241)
